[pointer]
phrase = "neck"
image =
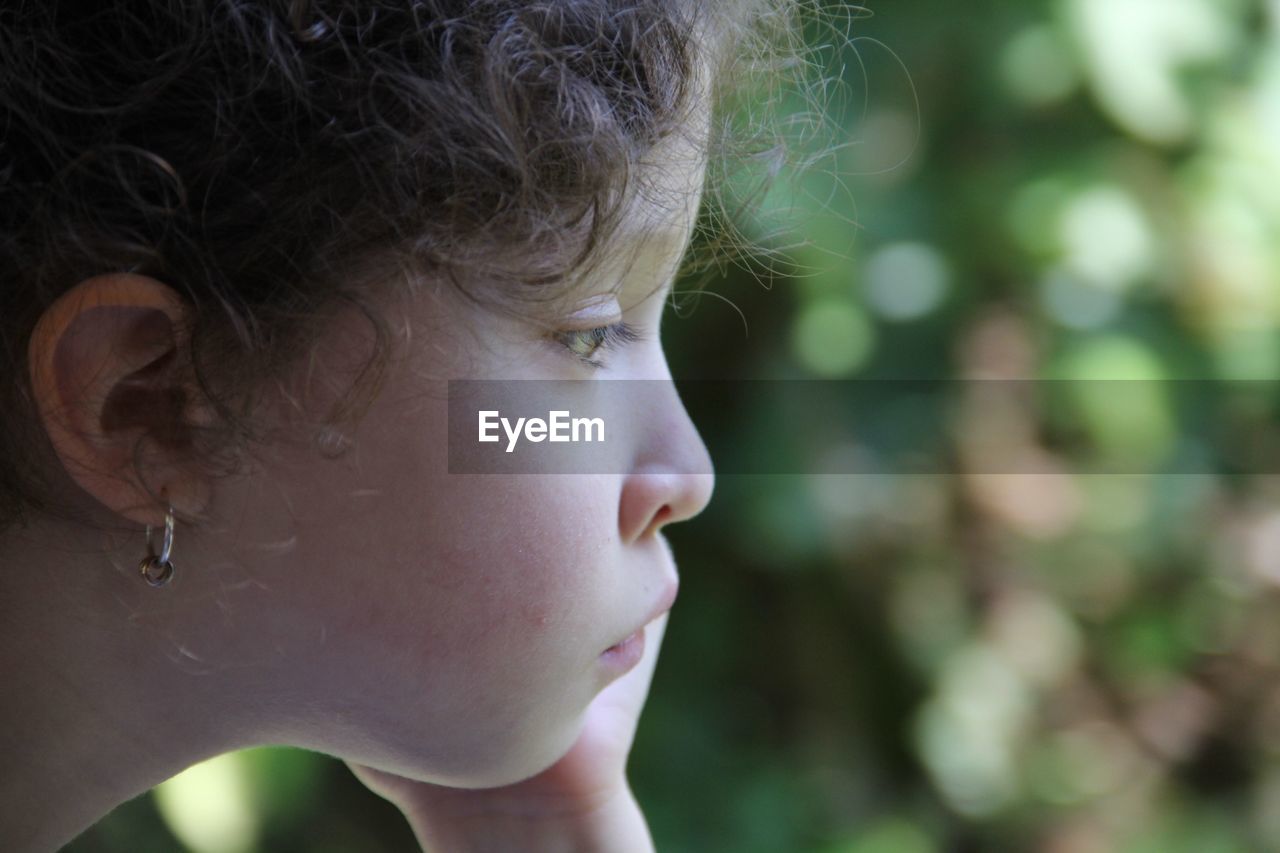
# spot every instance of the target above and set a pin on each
(101, 700)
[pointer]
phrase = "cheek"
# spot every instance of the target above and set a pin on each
(519, 563)
(503, 566)
(462, 616)
(494, 594)
(502, 571)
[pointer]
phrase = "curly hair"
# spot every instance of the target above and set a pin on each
(256, 155)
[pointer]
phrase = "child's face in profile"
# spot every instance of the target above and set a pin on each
(451, 627)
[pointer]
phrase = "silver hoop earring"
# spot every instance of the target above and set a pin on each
(157, 570)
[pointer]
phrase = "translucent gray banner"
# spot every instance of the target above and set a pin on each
(870, 426)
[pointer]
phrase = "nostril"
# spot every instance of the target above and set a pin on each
(661, 517)
(652, 499)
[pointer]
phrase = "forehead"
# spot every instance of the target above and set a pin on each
(647, 250)
(643, 252)
(669, 186)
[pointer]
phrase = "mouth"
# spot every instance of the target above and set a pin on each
(622, 657)
(664, 603)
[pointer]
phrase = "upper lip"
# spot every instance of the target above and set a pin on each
(662, 605)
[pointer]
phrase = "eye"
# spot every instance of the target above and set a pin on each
(586, 344)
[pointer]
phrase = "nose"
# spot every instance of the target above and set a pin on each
(673, 477)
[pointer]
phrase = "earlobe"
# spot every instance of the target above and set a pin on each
(107, 361)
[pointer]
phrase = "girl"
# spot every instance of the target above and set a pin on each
(243, 248)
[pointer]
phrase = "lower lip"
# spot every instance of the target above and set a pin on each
(624, 656)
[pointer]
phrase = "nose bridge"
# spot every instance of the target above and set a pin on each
(672, 477)
(680, 439)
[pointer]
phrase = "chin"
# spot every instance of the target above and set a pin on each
(528, 758)
(498, 753)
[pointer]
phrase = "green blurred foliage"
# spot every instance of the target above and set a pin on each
(1057, 660)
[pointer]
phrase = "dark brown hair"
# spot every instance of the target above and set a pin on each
(256, 154)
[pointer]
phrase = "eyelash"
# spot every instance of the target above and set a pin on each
(600, 338)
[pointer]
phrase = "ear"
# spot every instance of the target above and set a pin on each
(108, 363)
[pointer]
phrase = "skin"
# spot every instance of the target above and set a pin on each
(442, 633)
